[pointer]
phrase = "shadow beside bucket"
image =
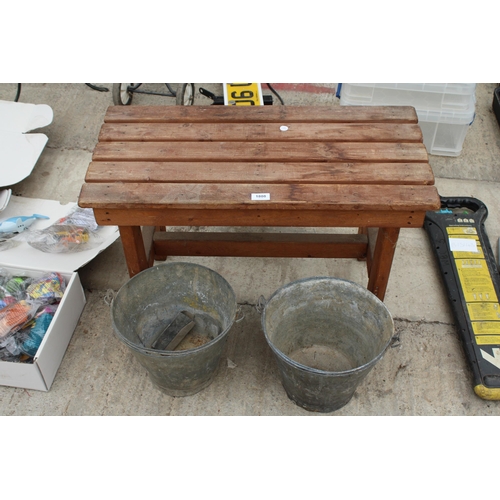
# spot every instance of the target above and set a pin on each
(151, 300)
(326, 335)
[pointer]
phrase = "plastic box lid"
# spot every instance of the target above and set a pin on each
(442, 88)
(465, 117)
(428, 96)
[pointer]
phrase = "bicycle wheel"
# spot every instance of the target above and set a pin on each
(121, 95)
(185, 94)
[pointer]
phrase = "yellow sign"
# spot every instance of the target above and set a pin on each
(461, 230)
(461, 254)
(243, 94)
(488, 340)
(484, 311)
(486, 327)
(476, 280)
(465, 233)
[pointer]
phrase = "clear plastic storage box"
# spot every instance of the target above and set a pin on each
(429, 96)
(444, 132)
(444, 126)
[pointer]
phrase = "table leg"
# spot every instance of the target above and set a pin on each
(159, 229)
(367, 258)
(133, 248)
(382, 260)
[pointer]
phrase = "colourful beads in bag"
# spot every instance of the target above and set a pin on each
(48, 289)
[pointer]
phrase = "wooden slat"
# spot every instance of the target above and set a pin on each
(266, 173)
(260, 245)
(260, 151)
(139, 196)
(253, 132)
(285, 114)
(259, 217)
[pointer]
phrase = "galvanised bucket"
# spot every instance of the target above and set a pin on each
(326, 334)
(152, 299)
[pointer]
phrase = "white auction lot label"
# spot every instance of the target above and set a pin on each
(261, 196)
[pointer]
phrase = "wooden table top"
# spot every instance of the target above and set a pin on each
(215, 157)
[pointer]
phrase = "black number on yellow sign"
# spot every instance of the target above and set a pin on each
(244, 94)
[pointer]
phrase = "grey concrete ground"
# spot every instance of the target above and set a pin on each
(425, 373)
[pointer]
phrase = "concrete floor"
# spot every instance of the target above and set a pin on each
(425, 373)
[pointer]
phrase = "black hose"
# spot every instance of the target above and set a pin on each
(95, 87)
(171, 90)
(18, 92)
(275, 93)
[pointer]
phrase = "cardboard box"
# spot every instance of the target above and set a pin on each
(41, 373)
(19, 149)
(33, 263)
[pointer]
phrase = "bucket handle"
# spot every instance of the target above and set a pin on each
(109, 297)
(239, 312)
(261, 304)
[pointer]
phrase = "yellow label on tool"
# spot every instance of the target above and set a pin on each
(486, 327)
(464, 254)
(488, 340)
(476, 280)
(461, 230)
(243, 94)
(484, 311)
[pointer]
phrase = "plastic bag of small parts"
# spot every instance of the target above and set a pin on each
(27, 317)
(8, 241)
(6, 352)
(12, 288)
(74, 233)
(25, 343)
(14, 316)
(38, 330)
(47, 289)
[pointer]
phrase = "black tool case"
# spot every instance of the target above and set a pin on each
(472, 284)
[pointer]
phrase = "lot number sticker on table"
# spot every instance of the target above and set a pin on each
(261, 196)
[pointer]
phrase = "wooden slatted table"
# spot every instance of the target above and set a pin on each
(275, 166)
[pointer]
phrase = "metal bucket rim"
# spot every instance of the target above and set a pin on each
(157, 353)
(163, 354)
(173, 264)
(310, 369)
